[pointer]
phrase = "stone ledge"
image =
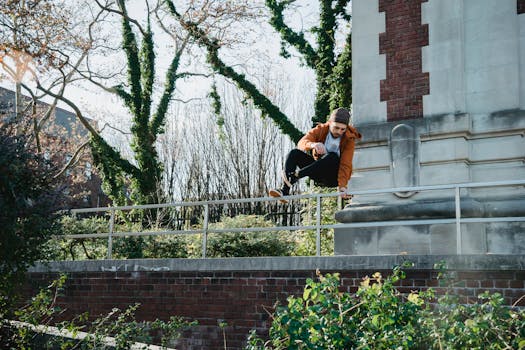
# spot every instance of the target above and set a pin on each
(506, 120)
(430, 209)
(328, 263)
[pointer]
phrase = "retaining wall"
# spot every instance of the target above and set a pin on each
(242, 291)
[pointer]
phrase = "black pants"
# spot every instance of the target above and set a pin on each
(323, 171)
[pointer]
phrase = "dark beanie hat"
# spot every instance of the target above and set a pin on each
(340, 115)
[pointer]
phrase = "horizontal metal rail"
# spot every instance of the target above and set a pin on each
(80, 336)
(318, 226)
(301, 227)
(302, 196)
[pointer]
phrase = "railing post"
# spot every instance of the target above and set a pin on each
(111, 230)
(318, 224)
(205, 230)
(458, 220)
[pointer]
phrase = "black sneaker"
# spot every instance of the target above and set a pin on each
(290, 178)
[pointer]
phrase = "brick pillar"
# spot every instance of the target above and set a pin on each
(405, 83)
(521, 6)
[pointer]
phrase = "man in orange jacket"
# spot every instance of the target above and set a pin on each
(331, 145)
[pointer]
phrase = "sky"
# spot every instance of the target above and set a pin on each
(264, 43)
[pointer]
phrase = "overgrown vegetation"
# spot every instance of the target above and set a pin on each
(378, 316)
(121, 325)
(306, 239)
(246, 244)
(29, 201)
(220, 245)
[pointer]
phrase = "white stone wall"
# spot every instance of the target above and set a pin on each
(491, 55)
(476, 62)
(521, 24)
(368, 67)
(443, 58)
(473, 56)
(472, 130)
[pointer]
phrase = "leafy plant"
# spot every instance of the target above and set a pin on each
(230, 244)
(29, 204)
(75, 249)
(306, 239)
(378, 316)
(118, 324)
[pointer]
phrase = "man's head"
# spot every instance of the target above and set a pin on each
(338, 121)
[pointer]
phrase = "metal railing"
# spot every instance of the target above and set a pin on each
(106, 341)
(318, 226)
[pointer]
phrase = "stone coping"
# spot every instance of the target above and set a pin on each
(326, 263)
(505, 120)
(431, 209)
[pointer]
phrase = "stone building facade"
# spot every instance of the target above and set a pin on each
(439, 96)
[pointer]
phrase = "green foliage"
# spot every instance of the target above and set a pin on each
(29, 204)
(341, 78)
(157, 246)
(217, 106)
(306, 239)
(172, 246)
(488, 324)
(143, 176)
(235, 244)
(119, 324)
(85, 248)
(377, 316)
(333, 74)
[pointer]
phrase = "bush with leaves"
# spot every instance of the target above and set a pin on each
(79, 249)
(306, 239)
(235, 244)
(380, 317)
(29, 204)
(171, 246)
(118, 324)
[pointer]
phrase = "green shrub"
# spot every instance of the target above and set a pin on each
(119, 324)
(83, 248)
(306, 239)
(233, 244)
(29, 205)
(377, 316)
(169, 246)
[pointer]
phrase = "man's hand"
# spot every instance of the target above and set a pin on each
(319, 148)
(343, 194)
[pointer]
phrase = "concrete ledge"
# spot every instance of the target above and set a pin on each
(430, 209)
(328, 263)
(435, 209)
(506, 120)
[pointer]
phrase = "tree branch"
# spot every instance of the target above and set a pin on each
(296, 40)
(134, 69)
(171, 77)
(147, 60)
(71, 161)
(259, 100)
(122, 13)
(95, 136)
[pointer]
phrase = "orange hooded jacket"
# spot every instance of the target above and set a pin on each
(346, 148)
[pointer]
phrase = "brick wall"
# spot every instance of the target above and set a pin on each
(405, 83)
(240, 298)
(521, 6)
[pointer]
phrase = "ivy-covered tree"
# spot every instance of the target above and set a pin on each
(333, 69)
(147, 122)
(134, 180)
